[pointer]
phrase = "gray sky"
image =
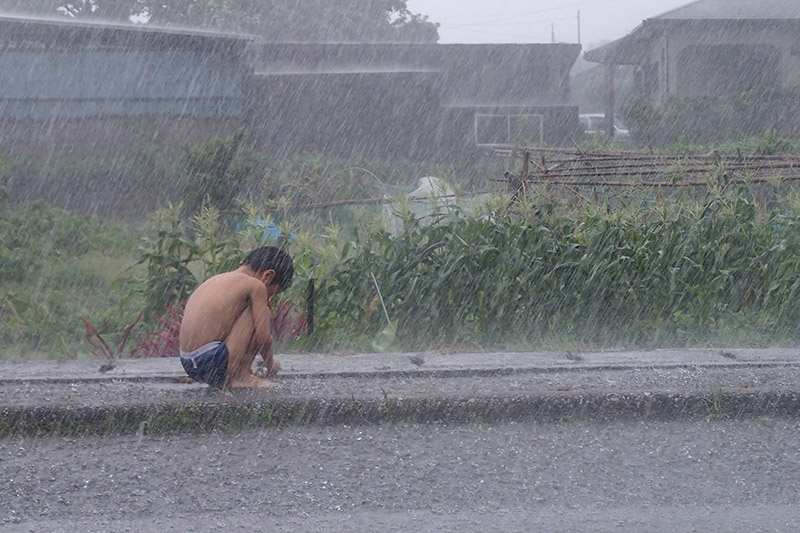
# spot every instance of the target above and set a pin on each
(531, 21)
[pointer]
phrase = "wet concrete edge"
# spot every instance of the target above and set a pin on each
(239, 414)
(438, 373)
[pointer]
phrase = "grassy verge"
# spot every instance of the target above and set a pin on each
(57, 267)
(718, 267)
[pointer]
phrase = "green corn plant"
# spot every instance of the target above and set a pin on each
(676, 271)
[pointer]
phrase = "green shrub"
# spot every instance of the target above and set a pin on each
(687, 270)
(212, 174)
(46, 281)
(179, 256)
(672, 273)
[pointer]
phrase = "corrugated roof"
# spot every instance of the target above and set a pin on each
(629, 50)
(22, 21)
(735, 10)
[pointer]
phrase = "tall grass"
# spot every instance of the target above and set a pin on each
(55, 267)
(677, 272)
(721, 268)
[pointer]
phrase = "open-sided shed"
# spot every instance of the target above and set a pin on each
(709, 46)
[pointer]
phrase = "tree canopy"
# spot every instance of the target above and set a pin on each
(275, 20)
(100, 9)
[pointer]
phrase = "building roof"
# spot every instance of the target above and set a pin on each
(735, 10)
(631, 49)
(69, 32)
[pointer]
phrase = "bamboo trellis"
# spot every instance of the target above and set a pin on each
(578, 168)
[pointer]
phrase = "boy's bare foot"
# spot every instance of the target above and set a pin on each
(250, 382)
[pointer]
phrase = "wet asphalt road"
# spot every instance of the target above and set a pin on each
(716, 475)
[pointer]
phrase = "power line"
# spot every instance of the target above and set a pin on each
(527, 37)
(516, 16)
(504, 24)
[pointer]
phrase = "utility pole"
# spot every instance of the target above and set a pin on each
(579, 27)
(609, 98)
(553, 32)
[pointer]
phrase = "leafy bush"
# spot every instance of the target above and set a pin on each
(183, 255)
(212, 173)
(37, 235)
(54, 268)
(686, 270)
(672, 273)
(175, 250)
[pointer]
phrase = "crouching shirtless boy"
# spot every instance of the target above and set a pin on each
(226, 321)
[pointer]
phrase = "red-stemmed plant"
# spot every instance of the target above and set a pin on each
(163, 342)
(288, 322)
(102, 350)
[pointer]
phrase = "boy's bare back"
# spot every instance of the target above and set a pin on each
(215, 305)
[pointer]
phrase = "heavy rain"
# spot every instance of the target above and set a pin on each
(347, 265)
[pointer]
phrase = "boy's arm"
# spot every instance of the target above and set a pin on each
(267, 356)
(262, 317)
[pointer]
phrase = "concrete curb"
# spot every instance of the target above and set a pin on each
(413, 373)
(73, 398)
(446, 364)
(237, 414)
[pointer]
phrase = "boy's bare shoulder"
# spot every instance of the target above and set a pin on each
(225, 281)
(229, 281)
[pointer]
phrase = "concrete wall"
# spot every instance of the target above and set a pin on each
(80, 84)
(84, 90)
(739, 55)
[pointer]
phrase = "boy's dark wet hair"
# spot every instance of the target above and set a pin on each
(272, 258)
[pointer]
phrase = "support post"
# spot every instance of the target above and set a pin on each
(310, 307)
(609, 98)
